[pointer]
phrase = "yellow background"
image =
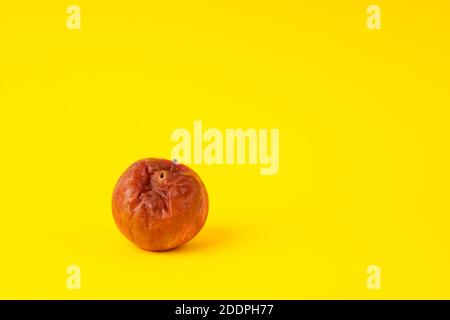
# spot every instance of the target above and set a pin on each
(364, 146)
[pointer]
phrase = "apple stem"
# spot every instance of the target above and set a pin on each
(174, 163)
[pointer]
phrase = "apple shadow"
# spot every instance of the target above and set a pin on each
(210, 238)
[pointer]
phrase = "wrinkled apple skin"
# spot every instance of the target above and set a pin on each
(159, 205)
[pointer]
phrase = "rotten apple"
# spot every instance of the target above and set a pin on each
(159, 204)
